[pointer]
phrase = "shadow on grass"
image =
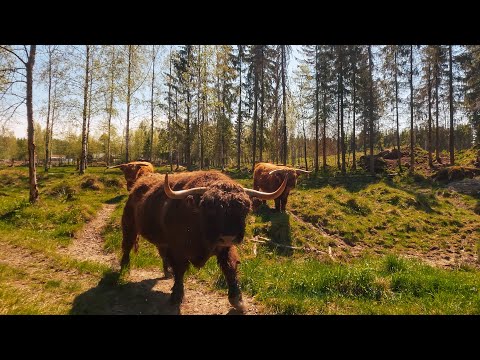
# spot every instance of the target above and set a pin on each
(279, 231)
(116, 199)
(110, 297)
(423, 201)
(352, 182)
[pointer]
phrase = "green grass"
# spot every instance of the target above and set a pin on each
(466, 157)
(147, 255)
(45, 227)
(41, 291)
(63, 206)
(390, 216)
(395, 214)
(387, 285)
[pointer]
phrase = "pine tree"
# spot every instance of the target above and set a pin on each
(469, 61)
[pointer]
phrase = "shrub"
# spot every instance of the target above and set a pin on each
(90, 183)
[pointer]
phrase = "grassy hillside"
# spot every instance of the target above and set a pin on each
(383, 246)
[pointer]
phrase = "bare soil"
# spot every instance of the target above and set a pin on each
(148, 284)
(140, 292)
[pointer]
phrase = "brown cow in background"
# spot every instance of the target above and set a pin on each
(133, 170)
(203, 216)
(268, 177)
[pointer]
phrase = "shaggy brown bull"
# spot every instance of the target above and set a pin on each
(203, 216)
(133, 170)
(268, 177)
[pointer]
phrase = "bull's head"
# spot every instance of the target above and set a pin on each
(223, 207)
(290, 173)
(130, 171)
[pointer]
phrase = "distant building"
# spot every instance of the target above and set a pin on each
(58, 159)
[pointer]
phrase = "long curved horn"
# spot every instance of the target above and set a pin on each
(181, 194)
(301, 171)
(115, 166)
(111, 167)
(143, 163)
(276, 170)
(268, 196)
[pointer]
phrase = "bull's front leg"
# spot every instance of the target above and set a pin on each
(277, 204)
(162, 251)
(228, 261)
(129, 239)
(179, 268)
(283, 204)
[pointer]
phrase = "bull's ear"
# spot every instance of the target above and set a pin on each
(190, 201)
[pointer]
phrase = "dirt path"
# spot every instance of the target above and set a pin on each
(88, 243)
(145, 291)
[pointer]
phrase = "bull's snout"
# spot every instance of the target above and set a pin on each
(227, 240)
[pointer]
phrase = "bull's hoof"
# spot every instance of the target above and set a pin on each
(167, 272)
(176, 298)
(238, 303)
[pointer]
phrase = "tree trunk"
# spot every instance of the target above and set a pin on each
(305, 146)
(151, 103)
(239, 116)
(396, 109)
(275, 133)
(177, 147)
(255, 114)
(412, 137)
(429, 136)
(354, 141)
(32, 170)
(202, 124)
(222, 124)
(284, 60)
(187, 127)
(110, 107)
(199, 86)
(338, 125)
(437, 130)
(317, 106)
(51, 125)
(204, 111)
(127, 131)
(83, 156)
(262, 107)
(451, 138)
(342, 138)
(89, 112)
(370, 68)
(47, 131)
(324, 132)
(169, 126)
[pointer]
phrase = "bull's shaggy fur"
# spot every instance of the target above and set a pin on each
(190, 230)
(263, 181)
(134, 170)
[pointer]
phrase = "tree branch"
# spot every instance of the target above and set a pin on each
(14, 110)
(13, 53)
